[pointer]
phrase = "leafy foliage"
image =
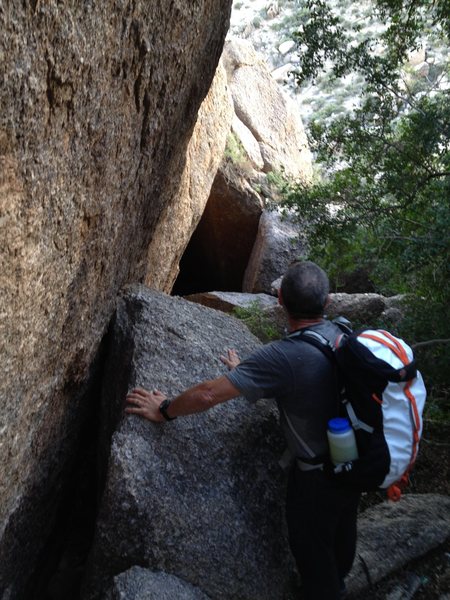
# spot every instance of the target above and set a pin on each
(381, 202)
(258, 321)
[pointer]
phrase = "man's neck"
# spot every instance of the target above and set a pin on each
(295, 324)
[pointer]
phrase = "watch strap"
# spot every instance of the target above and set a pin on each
(163, 409)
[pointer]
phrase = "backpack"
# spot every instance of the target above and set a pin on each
(383, 395)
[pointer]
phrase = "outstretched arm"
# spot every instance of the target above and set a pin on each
(199, 398)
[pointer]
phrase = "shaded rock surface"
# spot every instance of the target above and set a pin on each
(276, 246)
(357, 307)
(266, 135)
(182, 214)
(139, 584)
(97, 104)
(391, 535)
(219, 250)
(200, 497)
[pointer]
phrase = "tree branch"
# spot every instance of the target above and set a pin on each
(431, 343)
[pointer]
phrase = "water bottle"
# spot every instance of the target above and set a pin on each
(342, 442)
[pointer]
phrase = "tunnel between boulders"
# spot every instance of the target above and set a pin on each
(220, 247)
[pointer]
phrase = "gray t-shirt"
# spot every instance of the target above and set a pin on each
(301, 379)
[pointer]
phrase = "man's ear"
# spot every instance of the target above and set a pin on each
(327, 301)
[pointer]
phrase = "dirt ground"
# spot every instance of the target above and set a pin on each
(431, 573)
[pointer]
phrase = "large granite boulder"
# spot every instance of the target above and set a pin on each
(267, 113)
(229, 301)
(276, 246)
(362, 310)
(182, 214)
(97, 104)
(392, 535)
(200, 497)
(266, 135)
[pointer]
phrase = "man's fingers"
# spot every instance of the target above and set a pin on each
(145, 393)
(135, 400)
(140, 392)
(134, 410)
(144, 403)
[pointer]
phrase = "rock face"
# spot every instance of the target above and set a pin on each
(138, 583)
(276, 246)
(182, 214)
(391, 535)
(97, 104)
(200, 497)
(267, 113)
(228, 301)
(266, 135)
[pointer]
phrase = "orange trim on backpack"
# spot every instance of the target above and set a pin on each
(394, 491)
(375, 397)
(401, 349)
(397, 349)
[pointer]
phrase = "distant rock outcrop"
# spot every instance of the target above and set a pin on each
(358, 308)
(267, 112)
(98, 101)
(201, 497)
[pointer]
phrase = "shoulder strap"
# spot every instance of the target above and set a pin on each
(317, 340)
(323, 344)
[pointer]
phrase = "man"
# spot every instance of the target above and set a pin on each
(321, 515)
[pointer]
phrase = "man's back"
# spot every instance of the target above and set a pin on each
(301, 379)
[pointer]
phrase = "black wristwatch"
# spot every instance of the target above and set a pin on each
(163, 409)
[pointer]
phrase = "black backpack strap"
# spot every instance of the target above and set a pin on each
(327, 348)
(317, 340)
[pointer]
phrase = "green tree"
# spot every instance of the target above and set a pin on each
(381, 201)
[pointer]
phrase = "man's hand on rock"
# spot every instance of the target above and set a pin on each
(145, 404)
(231, 359)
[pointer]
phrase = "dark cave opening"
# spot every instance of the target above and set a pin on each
(203, 269)
(219, 250)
